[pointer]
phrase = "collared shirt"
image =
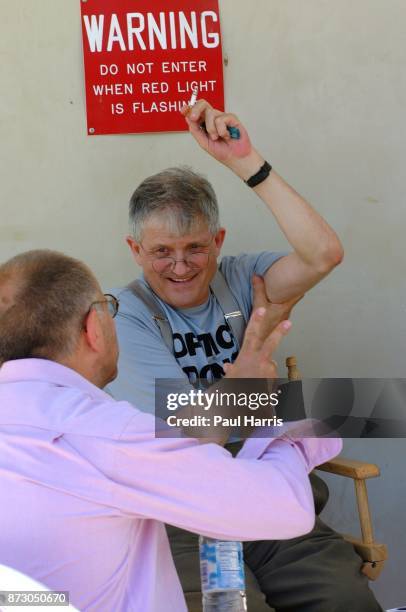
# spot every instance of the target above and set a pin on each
(85, 488)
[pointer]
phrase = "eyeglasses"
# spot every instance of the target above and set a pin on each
(196, 258)
(112, 304)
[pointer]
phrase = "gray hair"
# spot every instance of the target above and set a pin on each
(44, 297)
(184, 195)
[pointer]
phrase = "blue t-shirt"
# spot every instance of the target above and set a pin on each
(203, 341)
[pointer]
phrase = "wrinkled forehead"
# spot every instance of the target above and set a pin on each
(170, 229)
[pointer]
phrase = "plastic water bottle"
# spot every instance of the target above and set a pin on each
(222, 575)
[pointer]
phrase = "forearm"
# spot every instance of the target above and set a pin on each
(313, 240)
(205, 490)
(269, 497)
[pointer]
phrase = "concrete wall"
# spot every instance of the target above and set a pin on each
(320, 85)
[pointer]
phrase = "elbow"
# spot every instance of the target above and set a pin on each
(307, 523)
(297, 516)
(301, 523)
(331, 257)
(291, 525)
(303, 520)
(291, 516)
(337, 253)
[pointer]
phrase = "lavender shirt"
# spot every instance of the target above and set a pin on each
(85, 489)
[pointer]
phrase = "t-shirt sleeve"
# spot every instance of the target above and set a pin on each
(143, 356)
(238, 272)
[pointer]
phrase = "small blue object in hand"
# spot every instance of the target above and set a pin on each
(234, 132)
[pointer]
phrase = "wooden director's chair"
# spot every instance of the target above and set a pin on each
(373, 554)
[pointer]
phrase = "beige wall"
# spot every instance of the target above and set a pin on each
(320, 85)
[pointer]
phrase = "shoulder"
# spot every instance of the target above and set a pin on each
(130, 303)
(93, 415)
(133, 313)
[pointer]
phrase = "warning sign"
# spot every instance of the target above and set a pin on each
(142, 59)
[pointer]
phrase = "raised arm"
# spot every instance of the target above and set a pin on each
(316, 247)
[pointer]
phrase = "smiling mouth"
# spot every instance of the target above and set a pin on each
(181, 281)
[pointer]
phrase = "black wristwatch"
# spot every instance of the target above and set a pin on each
(260, 176)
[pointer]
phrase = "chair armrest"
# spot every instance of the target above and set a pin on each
(350, 468)
(368, 552)
(373, 554)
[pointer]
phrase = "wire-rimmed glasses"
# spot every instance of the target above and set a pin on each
(195, 258)
(111, 301)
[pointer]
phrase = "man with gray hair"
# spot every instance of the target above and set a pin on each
(177, 323)
(85, 484)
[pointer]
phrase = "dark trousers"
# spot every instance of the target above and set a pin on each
(317, 572)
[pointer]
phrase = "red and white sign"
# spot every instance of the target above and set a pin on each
(142, 59)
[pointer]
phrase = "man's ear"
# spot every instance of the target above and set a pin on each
(219, 239)
(93, 333)
(134, 248)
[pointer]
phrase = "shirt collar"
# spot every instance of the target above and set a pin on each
(44, 370)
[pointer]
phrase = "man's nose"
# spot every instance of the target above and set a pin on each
(180, 268)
